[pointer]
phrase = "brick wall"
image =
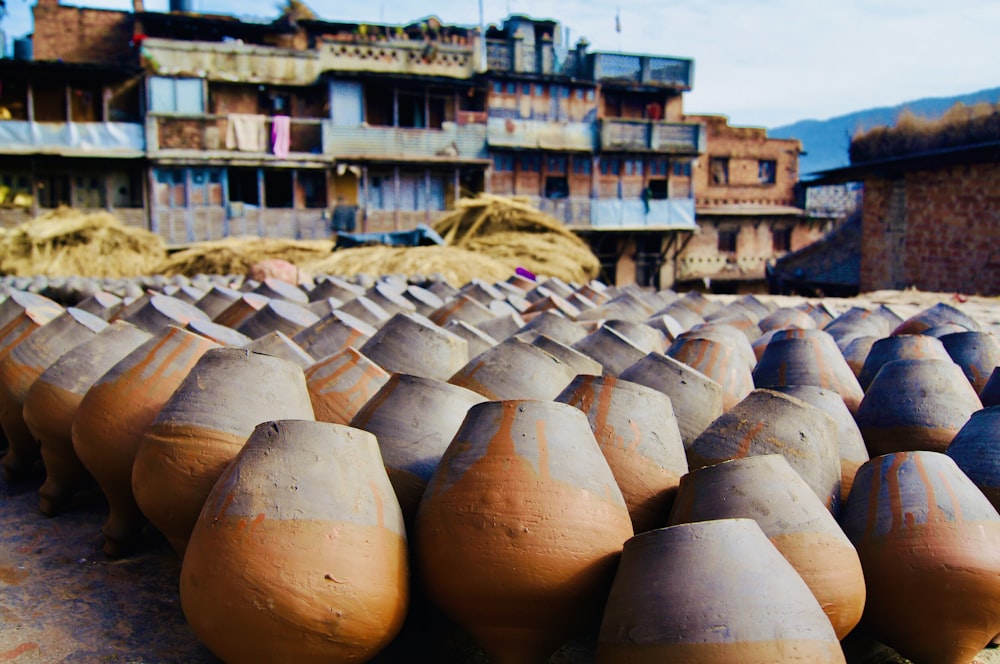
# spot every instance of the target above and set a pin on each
(75, 34)
(935, 230)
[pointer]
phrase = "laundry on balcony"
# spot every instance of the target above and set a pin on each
(246, 132)
(281, 132)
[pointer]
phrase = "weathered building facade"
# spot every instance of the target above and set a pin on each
(200, 126)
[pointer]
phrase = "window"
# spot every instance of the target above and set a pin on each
(590, 95)
(766, 171)
(539, 90)
(727, 240)
(581, 165)
(176, 95)
(530, 163)
(503, 163)
(718, 170)
(610, 166)
(556, 187)
(683, 169)
(526, 89)
(781, 239)
(313, 185)
(578, 93)
(658, 189)
(511, 88)
(556, 165)
(498, 87)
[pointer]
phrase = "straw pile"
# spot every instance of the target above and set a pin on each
(516, 234)
(235, 255)
(456, 266)
(64, 243)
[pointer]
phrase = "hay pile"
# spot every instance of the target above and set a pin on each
(516, 234)
(65, 242)
(456, 266)
(235, 255)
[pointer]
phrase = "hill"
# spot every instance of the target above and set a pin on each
(826, 142)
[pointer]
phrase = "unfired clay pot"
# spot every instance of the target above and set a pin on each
(720, 361)
(929, 543)
(915, 405)
(514, 369)
(977, 353)
(52, 401)
(935, 316)
(241, 310)
(768, 490)
(414, 419)
(220, 334)
(278, 316)
(340, 384)
(713, 592)
(300, 552)
(900, 347)
(461, 307)
(976, 450)
(768, 422)
(333, 333)
(159, 311)
(615, 351)
(278, 344)
(558, 327)
(113, 415)
(202, 427)
(18, 371)
(990, 394)
(520, 528)
(410, 343)
(784, 318)
(636, 430)
(577, 361)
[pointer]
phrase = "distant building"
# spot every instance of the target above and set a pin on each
(202, 126)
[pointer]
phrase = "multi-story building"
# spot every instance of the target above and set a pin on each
(200, 126)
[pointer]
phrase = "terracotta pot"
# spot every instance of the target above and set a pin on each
(942, 330)
(626, 306)
(929, 543)
(735, 318)
(808, 360)
(414, 419)
(520, 528)
(644, 336)
(410, 343)
(768, 422)
(333, 333)
(241, 310)
(577, 361)
(484, 292)
(720, 361)
(323, 307)
(786, 317)
(976, 450)
(977, 353)
(115, 412)
(461, 307)
(278, 316)
(990, 394)
(636, 430)
(683, 315)
(159, 311)
(216, 300)
(856, 352)
(277, 289)
(900, 347)
(858, 322)
(935, 316)
(202, 427)
(424, 300)
(850, 444)
(51, 405)
(697, 399)
(442, 289)
(514, 369)
(668, 325)
(279, 345)
(21, 314)
(713, 592)
(820, 314)
(558, 327)
(340, 384)
(102, 304)
(300, 552)
(18, 371)
(726, 334)
(768, 490)
(915, 405)
(555, 304)
(478, 340)
(615, 351)
(390, 298)
(220, 334)
(698, 303)
(334, 286)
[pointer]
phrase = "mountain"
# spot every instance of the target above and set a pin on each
(826, 141)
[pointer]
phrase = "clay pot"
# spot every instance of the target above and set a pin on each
(391, 298)
(414, 419)
(220, 334)
(915, 405)
(808, 360)
(668, 325)
(115, 412)
(713, 592)
(333, 333)
(555, 304)
(698, 303)
(850, 444)
(856, 352)
(990, 394)
(216, 300)
(768, 422)
(159, 311)
(461, 307)
(483, 292)
(424, 300)
(340, 384)
(300, 552)
(278, 289)
(615, 351)
(977, 353)
(514, 369)
(976, 450)
(278, 316)
(929, 543)
(726, 334)
(502, 327)
(626, 306)
(697, 399)
(478, 340)
(857, 322)
(102, 304)
(410, 343)
(720, 361)
(786, 317)
(334, 286)
(519, 530)
(577, 361)
(935, 316)
(51, 405)
(20, 315)
(323, 307)
(241, 310)
(202, 427)
(279, 345)
(768, 490)
(686, 317)
(636, 430)
(21, 367)
(900, 347)
(558, 327)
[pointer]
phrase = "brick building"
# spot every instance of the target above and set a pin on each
(201, 126)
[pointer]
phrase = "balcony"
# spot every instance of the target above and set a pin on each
(539, 134)
(233, 61)
(612, 214)
(647, 70)
(73, 139)
(213, 136)
(652, 136)
(452, 142)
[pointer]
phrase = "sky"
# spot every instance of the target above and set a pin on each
(762, 63)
